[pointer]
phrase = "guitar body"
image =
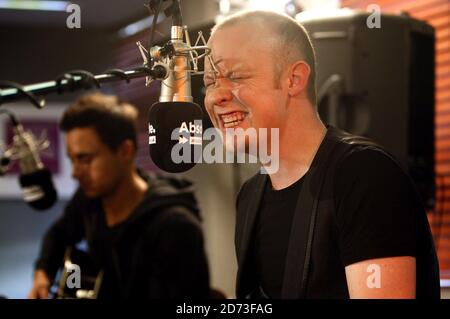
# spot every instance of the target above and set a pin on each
(79, 277)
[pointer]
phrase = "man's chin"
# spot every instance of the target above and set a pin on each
(241, 152)
(237, 145)
(90, 193)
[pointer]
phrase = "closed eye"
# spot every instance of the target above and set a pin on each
(209, 82)
(209, 79)
(85, 159)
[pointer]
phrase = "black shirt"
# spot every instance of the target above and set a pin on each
(272, 235)
(375, 209)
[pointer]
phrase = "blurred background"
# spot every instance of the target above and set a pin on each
(387, 77)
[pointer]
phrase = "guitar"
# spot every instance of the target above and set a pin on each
(88, 284)
(78, 278)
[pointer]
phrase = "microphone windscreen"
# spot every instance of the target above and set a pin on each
(175, 135)
(38, 190)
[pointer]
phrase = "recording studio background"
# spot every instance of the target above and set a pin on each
(404, 105)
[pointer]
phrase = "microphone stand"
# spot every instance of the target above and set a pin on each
(73, 80)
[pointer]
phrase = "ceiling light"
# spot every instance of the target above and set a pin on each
(34, 5)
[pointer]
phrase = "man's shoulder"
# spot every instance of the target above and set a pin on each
(360, 151)
(163, 185)
(174, 222)
(369, 161)
(166, 208)
(179, 214)
(373, 173)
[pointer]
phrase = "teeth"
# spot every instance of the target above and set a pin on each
(231, 124)
(232, 119)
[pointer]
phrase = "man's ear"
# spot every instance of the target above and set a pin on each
(127, 149)
(298, 77)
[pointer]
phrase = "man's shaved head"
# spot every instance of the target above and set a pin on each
(288, 37)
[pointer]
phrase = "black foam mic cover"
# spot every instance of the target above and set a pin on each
(38, 190)
(175, 135)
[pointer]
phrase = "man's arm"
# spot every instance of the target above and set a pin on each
(377, 218)
(67, 230)
(392, 277)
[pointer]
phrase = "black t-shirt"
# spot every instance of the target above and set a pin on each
(375, 217)
(272, 235)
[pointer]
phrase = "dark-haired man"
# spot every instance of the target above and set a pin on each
(142, 231)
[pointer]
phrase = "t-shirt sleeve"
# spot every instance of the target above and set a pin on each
(375, 208)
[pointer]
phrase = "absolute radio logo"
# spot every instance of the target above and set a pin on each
(228, 146)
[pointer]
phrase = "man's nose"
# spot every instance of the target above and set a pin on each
(76, 171)
(220, 95)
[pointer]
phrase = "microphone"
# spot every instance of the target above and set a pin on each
(35, 180)
(175, 122)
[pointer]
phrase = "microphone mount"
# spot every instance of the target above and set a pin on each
(158, 55)
(24, 145)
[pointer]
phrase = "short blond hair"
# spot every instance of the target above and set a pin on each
(291, 37)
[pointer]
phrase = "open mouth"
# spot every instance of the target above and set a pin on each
(233, 119)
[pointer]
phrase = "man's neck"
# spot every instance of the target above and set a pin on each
(119, 205)
(299, 142)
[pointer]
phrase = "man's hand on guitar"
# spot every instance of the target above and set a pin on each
(41, 286)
